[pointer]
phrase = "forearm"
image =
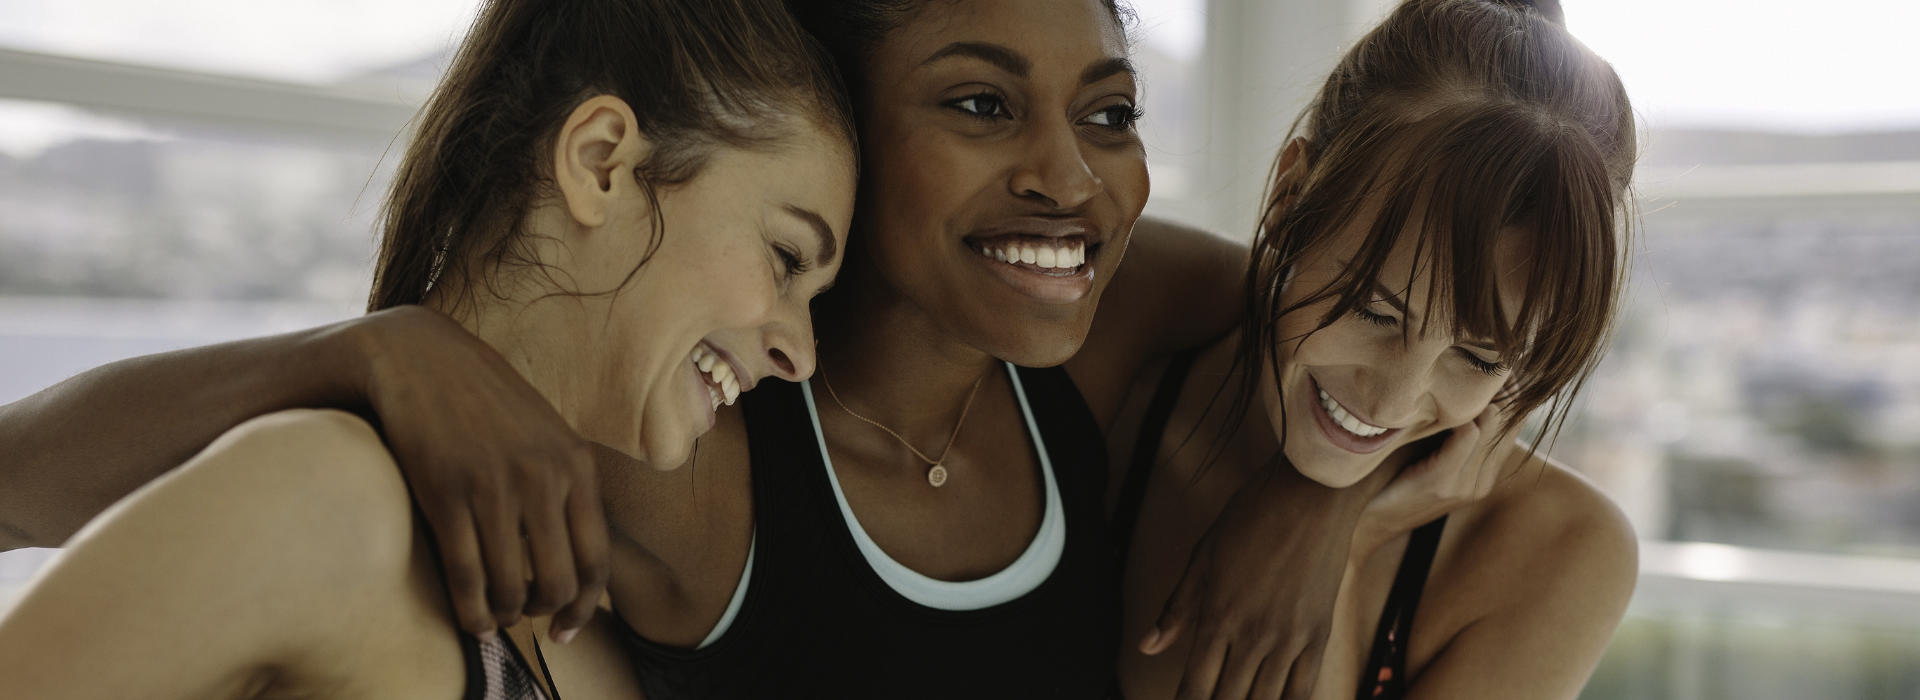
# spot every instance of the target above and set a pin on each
(78, 446)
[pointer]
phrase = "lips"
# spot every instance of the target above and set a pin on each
(1048, 260)
(1342, 428)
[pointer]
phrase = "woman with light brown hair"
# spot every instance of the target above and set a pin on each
(631, 202)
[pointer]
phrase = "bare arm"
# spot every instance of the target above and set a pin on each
(143, 603)
(78, 446)
(505, 482)
(1547, 634)
(1178, 288)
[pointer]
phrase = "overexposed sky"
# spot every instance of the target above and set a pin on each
(1767, 64)
(293, 40)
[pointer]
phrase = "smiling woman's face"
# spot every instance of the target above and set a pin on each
(1369, 382)
(1003, 172)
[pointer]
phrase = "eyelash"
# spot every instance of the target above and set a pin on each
(999, 111)
(794, 264)
(1493, 369)
(1125, 119)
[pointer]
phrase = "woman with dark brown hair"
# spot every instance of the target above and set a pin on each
(1441, 256)
(927, 516)
(579, 180)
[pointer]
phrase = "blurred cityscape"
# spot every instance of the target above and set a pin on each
(1763, 390)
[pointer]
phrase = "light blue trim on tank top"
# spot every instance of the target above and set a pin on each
(1021, 577)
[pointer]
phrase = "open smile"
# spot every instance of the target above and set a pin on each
(1343, 428)
(1051, 269)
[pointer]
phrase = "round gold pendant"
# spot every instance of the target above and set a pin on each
(937, 476)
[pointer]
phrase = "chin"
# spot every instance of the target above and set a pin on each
(1030, 342)
(1332, 473)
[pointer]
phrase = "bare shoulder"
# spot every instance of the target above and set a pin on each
(245, 558)
(322, 473)
(1561, 518)
(1527, 590)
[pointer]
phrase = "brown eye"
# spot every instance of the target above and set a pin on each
(1117, 117)
(983, 106)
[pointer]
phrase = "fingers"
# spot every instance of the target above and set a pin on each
(1175, 616)
(460, 557)
(1272, 679)
(498, 521)
(551, 549)
(1237, 673)
(591, 555)
(1203, 669)
(1305, 673)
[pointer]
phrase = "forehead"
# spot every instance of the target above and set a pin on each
(1057, 35)
(1409, 269)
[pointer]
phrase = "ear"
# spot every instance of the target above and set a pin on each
(594, 156)
(1289, 174)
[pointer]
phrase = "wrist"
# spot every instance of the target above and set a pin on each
(345, 359)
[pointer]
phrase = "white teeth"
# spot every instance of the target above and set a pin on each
(722, 386)
(1346, 420)
(1063, 257)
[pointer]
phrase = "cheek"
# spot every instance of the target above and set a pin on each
(1462, 398)
(1124, 172)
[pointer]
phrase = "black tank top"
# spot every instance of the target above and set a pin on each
(818, 622)
(1385, 675)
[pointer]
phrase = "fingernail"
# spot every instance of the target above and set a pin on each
(488, 636)
(1153, 637)
(564, 636)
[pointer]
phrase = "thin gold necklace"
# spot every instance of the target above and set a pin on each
(937, 471)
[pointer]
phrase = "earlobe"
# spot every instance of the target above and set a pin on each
(594, 156)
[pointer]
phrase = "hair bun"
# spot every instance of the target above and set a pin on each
(1549, 9)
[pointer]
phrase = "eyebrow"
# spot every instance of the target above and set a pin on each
(1101, 70)
(1400, 305)
(1011, 61)
(828, 249)
(1000, 56)
(1392, 299)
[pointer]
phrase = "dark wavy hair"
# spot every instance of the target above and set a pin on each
(1479, 118)
(698, 74)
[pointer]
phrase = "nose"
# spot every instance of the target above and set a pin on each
(789, 343)
(1401, 388)
(1053, 170)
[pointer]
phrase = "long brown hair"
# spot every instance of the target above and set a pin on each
(697, 74)
(1480, 118)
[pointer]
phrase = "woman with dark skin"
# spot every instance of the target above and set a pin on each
(1441, 257)
(1021, 121)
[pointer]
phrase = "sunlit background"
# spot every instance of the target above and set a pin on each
(177, 173)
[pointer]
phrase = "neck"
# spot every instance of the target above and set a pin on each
(890, 360)
(541, 340)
